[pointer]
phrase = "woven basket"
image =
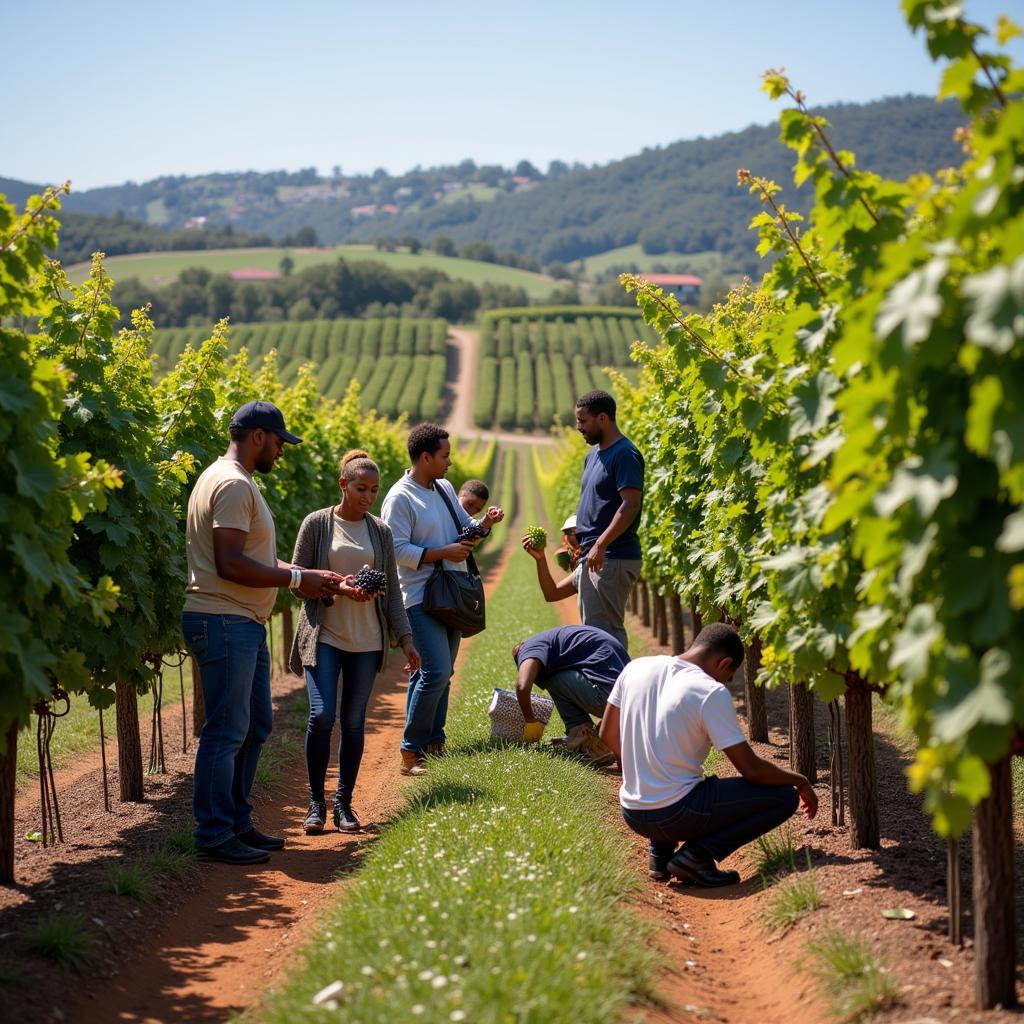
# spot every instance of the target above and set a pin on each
(507, 717)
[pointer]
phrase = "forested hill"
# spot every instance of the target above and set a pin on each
(682, 197)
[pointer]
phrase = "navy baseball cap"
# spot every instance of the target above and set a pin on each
(263, 416)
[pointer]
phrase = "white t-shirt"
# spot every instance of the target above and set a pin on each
(670, 715)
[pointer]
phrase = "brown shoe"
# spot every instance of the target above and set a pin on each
(436, 749)
(582, 739)
(413, 763)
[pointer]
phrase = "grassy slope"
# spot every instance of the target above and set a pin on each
(495, 896)
(159, 268)
(701, 263)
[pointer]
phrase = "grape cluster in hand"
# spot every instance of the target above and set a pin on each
(472, 532)
(537, 536)
(371, 581)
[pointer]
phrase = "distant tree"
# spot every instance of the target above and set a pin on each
(479, 251)
(443, 245)
(304, 238)
(569, 296)
(491, 174)
(559, 271)
(302, 309)
(379, 174)
(466, 169)
(336, 173)
(411, 242)
(611, 293)
(557, 169)
(286, 266)
(524, 169)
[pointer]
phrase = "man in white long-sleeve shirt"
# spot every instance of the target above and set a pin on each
(426, 519)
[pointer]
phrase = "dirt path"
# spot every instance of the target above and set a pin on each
(231, 936)
(460, 419)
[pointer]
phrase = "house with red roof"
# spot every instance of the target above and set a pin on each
(685, 287)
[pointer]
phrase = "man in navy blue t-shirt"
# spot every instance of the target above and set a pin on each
(607, 516)
(578, 666)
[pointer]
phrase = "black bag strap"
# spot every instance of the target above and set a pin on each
(471, 561)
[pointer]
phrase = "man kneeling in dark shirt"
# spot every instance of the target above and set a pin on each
(578, 666)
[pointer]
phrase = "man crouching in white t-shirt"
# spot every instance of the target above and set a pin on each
(663, 716)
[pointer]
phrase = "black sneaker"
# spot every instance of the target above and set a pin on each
(232, 851)
(316, 817)
(700, 871)
(345, 819)
(657, 867)
(260, 840)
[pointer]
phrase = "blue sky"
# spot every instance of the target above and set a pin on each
(132, 90)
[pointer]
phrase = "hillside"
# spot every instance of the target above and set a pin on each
(680, 198)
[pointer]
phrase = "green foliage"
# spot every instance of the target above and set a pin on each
(791, 899)
(64, 938)
(47, 492)
(130, 879)
(856, 983)
(835, 454)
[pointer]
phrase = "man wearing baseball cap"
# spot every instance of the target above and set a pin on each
(233, 577)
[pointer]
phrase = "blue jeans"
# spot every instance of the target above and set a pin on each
(426, 700)
(575, 696)
(234, 671)
(715, 818)
(356, 671)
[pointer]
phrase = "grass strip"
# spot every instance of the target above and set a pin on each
(495, 896)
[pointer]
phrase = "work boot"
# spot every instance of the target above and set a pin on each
(695, 869)
(316, 817)
(232, 851)
(260, 840)
(345, 819)
(413, 763)
(657, 867)
(582, 739)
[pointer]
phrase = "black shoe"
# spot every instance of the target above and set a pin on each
(345, 819)
(657, 867)
(316, 817)
(700, 871)
(260, 841)
(232, 851)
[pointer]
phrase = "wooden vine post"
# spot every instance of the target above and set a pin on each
(757, 710)
(801, 731)
(8, 765)
(287, 634)
(863, 785)
(660, 615)
(645, 603)
(695, 618)
(676, 627)
(995, 940)
(129, 745)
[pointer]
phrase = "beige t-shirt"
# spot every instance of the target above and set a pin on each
(225, 495)
(350, 625)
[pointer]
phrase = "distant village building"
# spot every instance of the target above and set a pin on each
(195, 222)
(364, 211)
(685, 287)
(253, 274)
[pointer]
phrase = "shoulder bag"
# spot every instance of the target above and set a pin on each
(456, 598)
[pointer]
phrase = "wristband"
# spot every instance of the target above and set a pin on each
(296, 579)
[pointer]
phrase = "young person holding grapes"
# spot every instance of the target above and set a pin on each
(346, 640)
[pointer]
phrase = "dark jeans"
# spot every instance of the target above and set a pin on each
(426, 700)
(575, 696)
(356, 672)
(716, 817)
(234, 671)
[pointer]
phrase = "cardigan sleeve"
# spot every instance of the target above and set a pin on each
(398, 621)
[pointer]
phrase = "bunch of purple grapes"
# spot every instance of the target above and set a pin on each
(472, 532)
(371, 581)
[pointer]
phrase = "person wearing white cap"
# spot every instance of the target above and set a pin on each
(569, 551)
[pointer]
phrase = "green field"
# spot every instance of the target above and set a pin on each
(532, 367)
(704, 264)
(401, 364)
(159, 268)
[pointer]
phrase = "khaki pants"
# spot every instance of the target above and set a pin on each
(602, 596)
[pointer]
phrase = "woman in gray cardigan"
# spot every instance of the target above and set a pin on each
(346, 639)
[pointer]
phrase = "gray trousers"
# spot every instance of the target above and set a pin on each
(602, 596)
